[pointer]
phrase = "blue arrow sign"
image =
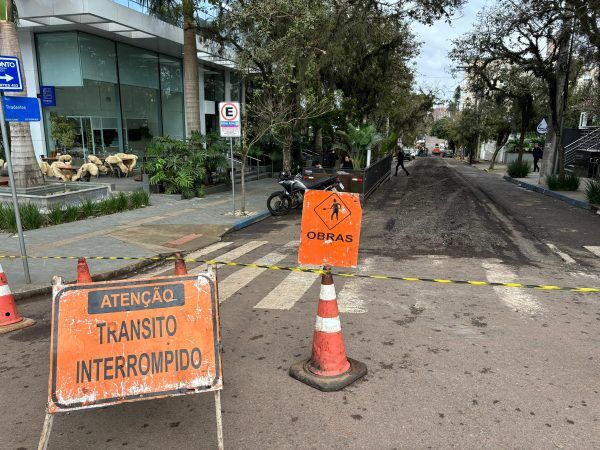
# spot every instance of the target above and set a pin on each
(10, 74)
(21, 109)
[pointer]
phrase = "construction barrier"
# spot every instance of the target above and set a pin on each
(130, 340)
(10, 319)
(411, 279)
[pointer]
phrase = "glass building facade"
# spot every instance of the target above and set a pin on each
(118, 96)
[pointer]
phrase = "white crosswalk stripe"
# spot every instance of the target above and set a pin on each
(237, 280)
(289, 291)
(351, 299)
(232, 255)
(593, 249)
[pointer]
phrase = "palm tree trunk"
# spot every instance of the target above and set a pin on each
(191, 82)
(25, 166)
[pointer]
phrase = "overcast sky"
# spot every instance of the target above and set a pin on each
(432, 65)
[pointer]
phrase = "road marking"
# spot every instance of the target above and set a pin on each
(289, 291)
(197, 254)
(516, 299)
(231, 255)
(566, 258)
(351, 299)
(595, 250)
(237, 280)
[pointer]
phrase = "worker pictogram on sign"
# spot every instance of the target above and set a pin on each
(131, 340)
(330, 230)
(332, 211)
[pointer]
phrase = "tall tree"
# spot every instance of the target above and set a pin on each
(534, 37)
(183, 13)
(26, 169)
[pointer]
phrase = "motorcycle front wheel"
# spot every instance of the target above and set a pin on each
(278, 204)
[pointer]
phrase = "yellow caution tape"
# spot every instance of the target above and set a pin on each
(541, 287)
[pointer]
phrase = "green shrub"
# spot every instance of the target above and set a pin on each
(71, 213)
(105, 207)
(187, 194)
(121, 202)
(570, 182)
(55, 215)
(200, 191)
(8, 221)
(88, 208)
(31, 216)
(139, 199)
(518, 170)
(592, 191)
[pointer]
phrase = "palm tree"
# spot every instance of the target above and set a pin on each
(25, 166)
(357, 141)
(182, 13)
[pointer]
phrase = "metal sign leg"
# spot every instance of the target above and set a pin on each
(219, 419)
(232, 176)
(45, 437)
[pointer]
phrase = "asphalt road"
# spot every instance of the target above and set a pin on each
(449, 365)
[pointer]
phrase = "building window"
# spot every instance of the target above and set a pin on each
(171, 92)
(214, 85)
(140, 97)
(109, 117)
(83, 69)
(236, 87)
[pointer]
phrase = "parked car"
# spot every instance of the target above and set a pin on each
(408, 154)
(436, 150)
(447, 153)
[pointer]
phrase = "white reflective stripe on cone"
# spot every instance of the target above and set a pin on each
(4, 290)
(328, 324)
(328, 292)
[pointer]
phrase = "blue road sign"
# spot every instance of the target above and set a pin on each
(21, 109)
(10, 74)
(48, 94)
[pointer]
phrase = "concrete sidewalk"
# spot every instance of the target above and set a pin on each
(168, 225)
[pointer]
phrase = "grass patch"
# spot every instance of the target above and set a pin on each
(71, 213)
(121, 202)
(88, 208)
(592, 191)
(32, 218)
(518, 170)
(569, 183)
(55, 215)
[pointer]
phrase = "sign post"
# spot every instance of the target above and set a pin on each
(10, 80)
(230, 126)
(124, 341)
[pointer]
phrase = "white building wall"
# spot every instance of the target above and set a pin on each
(27, 44)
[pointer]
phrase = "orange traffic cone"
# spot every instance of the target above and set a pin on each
(10, 319)
(180, 268)
(328, 369)
(83, 272)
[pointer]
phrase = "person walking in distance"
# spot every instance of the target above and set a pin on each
(400, 161)
(538, 154)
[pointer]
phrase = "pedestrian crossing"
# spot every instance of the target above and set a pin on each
(283, 293)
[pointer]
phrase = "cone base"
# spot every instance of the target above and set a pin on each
(26, 322)
(300, 372)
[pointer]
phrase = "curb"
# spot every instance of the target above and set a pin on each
(532, 187)
(105, 276)
(249, 221)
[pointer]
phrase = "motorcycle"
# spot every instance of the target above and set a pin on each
(292, 197)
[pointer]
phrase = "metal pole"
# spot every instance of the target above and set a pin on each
(232, 176)
(45, 437)
(13, 189)
(219, 420)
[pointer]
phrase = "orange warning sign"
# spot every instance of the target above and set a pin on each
(330, 230)
(132, 340)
